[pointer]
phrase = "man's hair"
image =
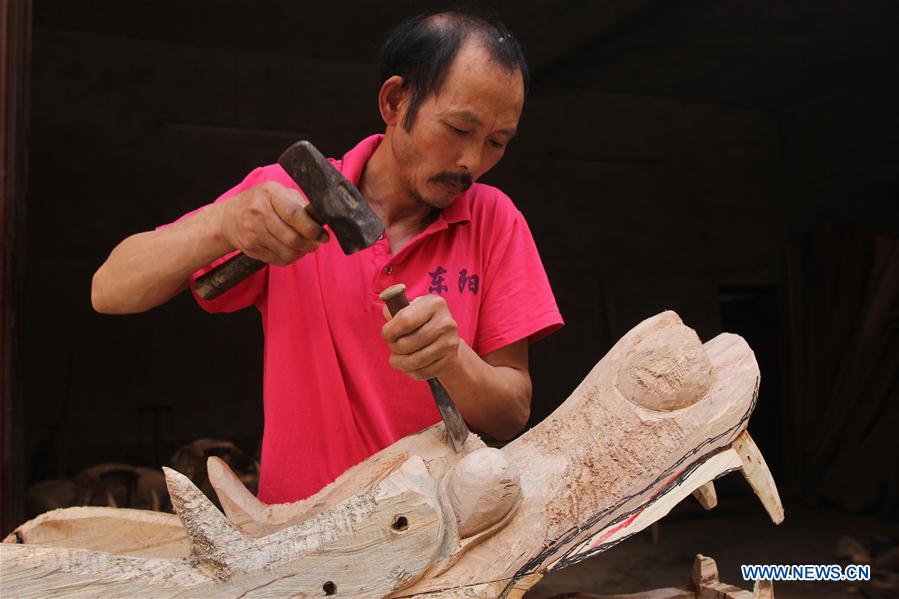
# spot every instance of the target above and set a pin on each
(422, 49)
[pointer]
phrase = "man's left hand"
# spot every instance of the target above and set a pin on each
(423, 338)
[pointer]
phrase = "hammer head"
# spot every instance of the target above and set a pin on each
(336, 201)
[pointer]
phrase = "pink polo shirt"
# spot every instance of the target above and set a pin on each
(331, 398)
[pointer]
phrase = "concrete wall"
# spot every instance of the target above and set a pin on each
(118, 147)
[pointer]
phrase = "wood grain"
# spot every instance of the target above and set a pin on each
(658, 418)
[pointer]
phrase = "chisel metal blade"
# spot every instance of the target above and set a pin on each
(455, 425)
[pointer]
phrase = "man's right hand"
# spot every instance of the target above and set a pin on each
(269, 222)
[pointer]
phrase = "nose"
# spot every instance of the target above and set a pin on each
(471, 158)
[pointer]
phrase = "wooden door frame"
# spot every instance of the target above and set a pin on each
(15, 59)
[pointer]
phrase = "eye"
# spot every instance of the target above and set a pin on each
(457, 131)
(495, 144)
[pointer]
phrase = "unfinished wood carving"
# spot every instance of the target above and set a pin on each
(112, 530)
(659, 417)
(706, 496)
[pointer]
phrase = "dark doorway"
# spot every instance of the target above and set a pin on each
(754, 314)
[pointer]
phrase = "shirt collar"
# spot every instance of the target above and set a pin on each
(353, 163)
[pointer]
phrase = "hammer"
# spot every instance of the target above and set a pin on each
(334, 202)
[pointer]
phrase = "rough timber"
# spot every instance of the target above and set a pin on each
(658, 418)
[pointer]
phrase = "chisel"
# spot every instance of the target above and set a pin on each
(396, 300)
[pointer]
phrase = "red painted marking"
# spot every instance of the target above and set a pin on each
(609, 532)
(601, 537)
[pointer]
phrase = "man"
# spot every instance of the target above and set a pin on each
(452, 94)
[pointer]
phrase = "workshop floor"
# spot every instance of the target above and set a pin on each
(736, 532)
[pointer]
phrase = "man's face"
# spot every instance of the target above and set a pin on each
(462, 132)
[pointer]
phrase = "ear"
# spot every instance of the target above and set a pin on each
(392, 100)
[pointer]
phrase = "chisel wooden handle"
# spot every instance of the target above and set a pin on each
(396, 300)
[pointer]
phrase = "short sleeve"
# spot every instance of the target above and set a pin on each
(247, 292)
(518, 302)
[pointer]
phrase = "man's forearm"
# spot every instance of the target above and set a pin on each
(147, 269)
(493, 399)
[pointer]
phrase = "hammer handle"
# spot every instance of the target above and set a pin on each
(226, 275)
(235, 269)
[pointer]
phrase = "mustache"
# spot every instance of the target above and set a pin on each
(463, 180)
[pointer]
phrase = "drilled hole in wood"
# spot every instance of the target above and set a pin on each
(329, 588)
(400, 523)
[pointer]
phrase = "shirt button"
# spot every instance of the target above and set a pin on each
(388, 269)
